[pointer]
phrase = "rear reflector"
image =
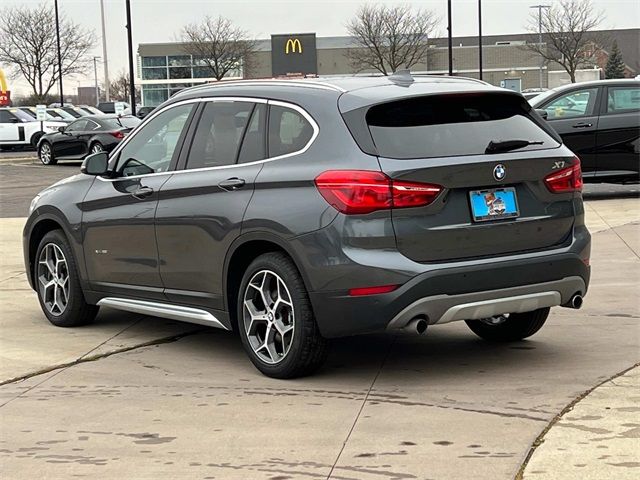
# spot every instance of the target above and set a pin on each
(566, 180)
(359, 292)
(365, 191)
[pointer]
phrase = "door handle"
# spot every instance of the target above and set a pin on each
(231, 184)
(582, 125)
(142, 192)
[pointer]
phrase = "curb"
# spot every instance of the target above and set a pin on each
(19, 161)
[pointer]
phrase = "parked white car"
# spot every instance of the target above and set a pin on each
(18, 128)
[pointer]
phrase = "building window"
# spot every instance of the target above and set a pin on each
(180, 72)
(158, 73)
(180, 60)
(202, 72)
(153, 97)
(154, 61)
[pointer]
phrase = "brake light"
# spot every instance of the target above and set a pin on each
(359, 292)
(364, 191)
(566, 180)
(118, 134)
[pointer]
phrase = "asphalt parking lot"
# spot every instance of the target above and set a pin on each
(140, 397)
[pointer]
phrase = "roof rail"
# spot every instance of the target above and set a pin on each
(271, 82)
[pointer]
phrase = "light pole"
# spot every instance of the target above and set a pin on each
(95, 78)
(132, 83)
(59, 55)
(540, 8)
(480, 38)
(450, 38)
(105, 62)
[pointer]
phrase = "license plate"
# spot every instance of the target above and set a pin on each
(493, 204)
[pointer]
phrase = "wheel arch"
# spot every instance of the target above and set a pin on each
(242, 252)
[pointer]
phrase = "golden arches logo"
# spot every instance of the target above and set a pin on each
(3, 82)
(294, 45)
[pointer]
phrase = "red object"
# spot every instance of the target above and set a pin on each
(566, 180)
(5, 98)
(365, 191)
(119, 135)
(359, 292)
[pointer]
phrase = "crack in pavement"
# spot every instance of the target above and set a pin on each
(540, 438)
(92, 358)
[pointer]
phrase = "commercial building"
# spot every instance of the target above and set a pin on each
(165, 68)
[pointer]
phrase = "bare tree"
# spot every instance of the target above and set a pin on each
(119, 88)
(219, 46)
(388, 38)
(567, 30)
(28, 46)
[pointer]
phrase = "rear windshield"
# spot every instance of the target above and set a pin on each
(451, 125)
(122, 122)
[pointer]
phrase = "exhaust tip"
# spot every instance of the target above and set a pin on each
(416, 326)
(576, 301)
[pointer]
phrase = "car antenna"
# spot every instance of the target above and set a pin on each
(402, 78)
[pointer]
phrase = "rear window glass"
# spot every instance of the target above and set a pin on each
(121, 122)
(451, 125)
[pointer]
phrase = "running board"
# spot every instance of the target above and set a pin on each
(164, 310)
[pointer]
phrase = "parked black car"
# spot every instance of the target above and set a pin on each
(600, 122)
(144, 111)
(294, 211)
(90, 134)
(110, 107)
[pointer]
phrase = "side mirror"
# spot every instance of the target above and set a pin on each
(95, 164)
(542, 113)
(61, 129)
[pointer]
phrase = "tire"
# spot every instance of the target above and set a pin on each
(35, 138)
(55, 253)
(512, 327)
(301, 349)
(45, 154)
(95, 148)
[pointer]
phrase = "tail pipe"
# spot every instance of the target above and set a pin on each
(417, 326)
(575, 302)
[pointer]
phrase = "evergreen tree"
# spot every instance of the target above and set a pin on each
(615, 64)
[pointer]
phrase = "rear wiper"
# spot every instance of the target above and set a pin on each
(507, 145)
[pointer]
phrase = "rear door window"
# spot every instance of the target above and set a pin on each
(623, 99)
(289, 131)
(452, 125)
(219, 133)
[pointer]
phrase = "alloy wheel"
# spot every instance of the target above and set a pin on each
(53, 279)
(96, 148)
(45, 153)
(268, 316)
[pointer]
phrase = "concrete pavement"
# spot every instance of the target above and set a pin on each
(143, 398)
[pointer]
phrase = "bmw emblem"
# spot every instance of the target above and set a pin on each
(499, 172)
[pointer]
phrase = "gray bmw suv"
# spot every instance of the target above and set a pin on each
(295, 211)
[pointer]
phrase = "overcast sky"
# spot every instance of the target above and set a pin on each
(161, 20)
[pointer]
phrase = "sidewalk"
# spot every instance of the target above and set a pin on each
(599, 437)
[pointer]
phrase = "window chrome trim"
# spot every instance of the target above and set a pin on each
(292, 106)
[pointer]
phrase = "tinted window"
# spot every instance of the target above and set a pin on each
(289, 131)
(6, 117)
(578, 103)
(121, 122)
(219, 133)
(77, 126)
(623, 99)
(254, 143)
(151, 149)
(21, 115)
(449, 125)
(91, 125)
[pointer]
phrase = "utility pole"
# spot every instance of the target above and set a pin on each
(132, 83)
(59, 55)
(450, 38)
(105, 63)
(95, 78)
(480, 38)
(540, 8)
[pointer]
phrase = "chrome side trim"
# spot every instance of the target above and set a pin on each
(164, 310)
(292, 106)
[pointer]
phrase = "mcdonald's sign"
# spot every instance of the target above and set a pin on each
(294, 53)
(293, 46)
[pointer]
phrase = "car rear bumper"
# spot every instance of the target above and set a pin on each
(449, 294)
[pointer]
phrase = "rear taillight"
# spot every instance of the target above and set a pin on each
(566, 180)
(118, 134)
(364, 191)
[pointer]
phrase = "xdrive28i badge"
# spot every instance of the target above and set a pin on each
(499, 172)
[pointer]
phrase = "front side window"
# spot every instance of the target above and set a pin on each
(289, 131)
(6, 117)
(579, 103)
(623, 99)
(152, 148)
(220, 130)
